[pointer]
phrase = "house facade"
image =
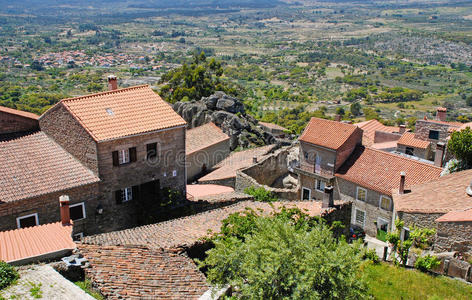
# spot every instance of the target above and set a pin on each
(15, 123)
(132, 140)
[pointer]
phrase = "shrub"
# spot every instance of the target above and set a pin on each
(371, 255)
(426, 263)
(8, 275)
(260, 194)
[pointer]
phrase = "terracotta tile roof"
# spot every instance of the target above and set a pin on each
(185, 232)
(442, 195)
(35, 241)
(126, 272)
(196, 191)
(456, 216)
(122, 112)
(385, 145)
(35, 165)
(380, 171)
(272, 126)
(236, 161)
(370, 127)
(203, 136)
(408, 139)
(19, 113)
(453, 124)
(327, 133)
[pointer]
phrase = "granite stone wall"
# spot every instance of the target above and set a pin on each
(454, 236)
(209, 157)
(10, 123)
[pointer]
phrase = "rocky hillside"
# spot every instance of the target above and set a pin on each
(229, 114)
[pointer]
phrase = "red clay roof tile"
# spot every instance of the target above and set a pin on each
(122, 112)
(408, 139)
(35, 165)
(370, 127)
(21, 113)
(327, 133)
(35, 241)
(380, 171)
(456, 216)
(204, 136)
(442, 195)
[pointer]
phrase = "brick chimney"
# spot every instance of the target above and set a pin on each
(402, 129)
(439, 156)
(441, 113)
(328, 200)
(112, 83)
(401, 189)
(65, 212)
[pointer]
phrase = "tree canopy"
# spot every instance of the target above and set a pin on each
(460, 144)
(286, 256)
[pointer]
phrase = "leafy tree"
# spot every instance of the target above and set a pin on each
(286, 256)
(200, 79)
(356, 109)
(460, 144)
(468, 100)
(8, 274)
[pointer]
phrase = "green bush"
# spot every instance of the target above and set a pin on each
(260, 194)
(8, 275)
(371, 255)
(426, 263)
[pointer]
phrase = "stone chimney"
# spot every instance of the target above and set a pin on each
(328, 200)
(402, 129)
(65, 212)
(401, 189)
(441, 113)
(112, 83)
(439, 156)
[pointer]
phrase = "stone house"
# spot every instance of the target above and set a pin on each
(378, 135)
(15, 123)
(206, 146)
(276, 130)
(331, 154)
(444, 204)
(132, 140)
(413, 146)
(36, 171)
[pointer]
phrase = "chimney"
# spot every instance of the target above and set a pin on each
(438, 157)
(112, 83)
(65, 212)
(254, 159)
(337, 118)
(401, 189)
(441, 113)
(328, 200)
(402, 129)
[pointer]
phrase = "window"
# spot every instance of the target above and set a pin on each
(174, 173)
(124, 156)
(409, 150)
(361, 194)
(77, 211)
(151, 151)
(384, 203)
(434, 134)
(306, 194)
(406, 233)
(320, 185)
(77, 236)
(318, 164)
(27, 221)
(126, 194)
(382, 224)
(360, 217)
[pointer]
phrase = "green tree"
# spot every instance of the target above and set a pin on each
(284, 257)
(356, 109)
(468, 100)
(460, 144)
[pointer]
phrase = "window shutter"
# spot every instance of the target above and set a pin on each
(132, 154)
(135, 195)
(115, 158)
(118, 197)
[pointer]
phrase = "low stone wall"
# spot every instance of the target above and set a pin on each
(265, 173)
(341, 213)
(455, 268)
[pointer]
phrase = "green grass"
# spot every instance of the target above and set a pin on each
(87, 287)
(390, 282)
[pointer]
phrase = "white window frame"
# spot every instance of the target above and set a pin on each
(126, 194)
(174, 173)
(27, 216)
(79, 234)
(357, 194)
(355, 217)
(316, 186)
(123, 156)
(309, 193)
(380, 202)
(83, 210)
(384, 221)
(403, 233)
